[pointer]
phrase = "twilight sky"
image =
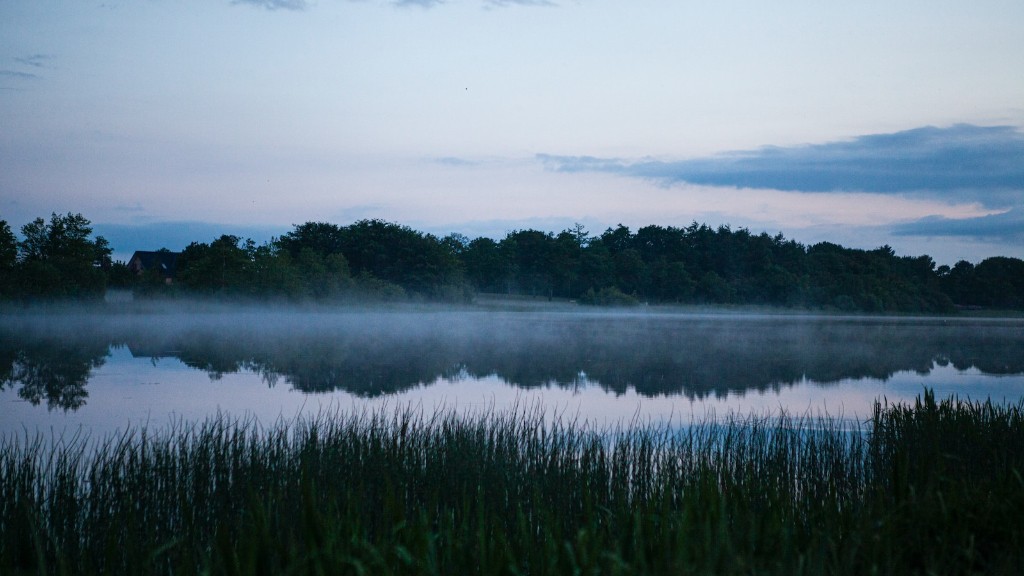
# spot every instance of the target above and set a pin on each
(865, 123)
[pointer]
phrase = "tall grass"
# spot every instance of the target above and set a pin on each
(933, 488)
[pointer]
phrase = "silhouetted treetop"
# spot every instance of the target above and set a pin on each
(375, 259)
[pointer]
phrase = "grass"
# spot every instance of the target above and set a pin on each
(929, 488)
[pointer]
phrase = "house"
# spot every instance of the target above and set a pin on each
(161, 262)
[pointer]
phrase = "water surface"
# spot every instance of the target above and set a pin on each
(98, 373)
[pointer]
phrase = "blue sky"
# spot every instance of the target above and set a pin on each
(865, 123)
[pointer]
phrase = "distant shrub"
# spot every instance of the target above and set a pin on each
(370, 287)
(610, 296)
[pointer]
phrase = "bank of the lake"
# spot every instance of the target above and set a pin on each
(930, 488)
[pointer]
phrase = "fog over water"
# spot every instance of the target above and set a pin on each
(103, 370)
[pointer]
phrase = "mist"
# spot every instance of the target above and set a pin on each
(374, 351)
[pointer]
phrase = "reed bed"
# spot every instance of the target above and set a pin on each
(929, 488)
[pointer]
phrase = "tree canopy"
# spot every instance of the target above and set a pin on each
(374, 259)
(54, 260)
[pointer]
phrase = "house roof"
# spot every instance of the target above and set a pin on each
(164, 261)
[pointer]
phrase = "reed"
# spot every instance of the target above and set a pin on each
(929, 488)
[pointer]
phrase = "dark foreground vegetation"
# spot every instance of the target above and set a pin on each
(376, 260)
(933, 488)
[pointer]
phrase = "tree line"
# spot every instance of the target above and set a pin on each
(58, 259)
(374, 259)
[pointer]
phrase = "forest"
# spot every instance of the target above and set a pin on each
(375, 260)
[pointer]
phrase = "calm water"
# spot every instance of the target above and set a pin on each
(60, 373)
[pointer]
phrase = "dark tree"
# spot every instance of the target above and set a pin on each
(219, 267)
(487, 266)
(999, 282)
(59, 260)
(532, 253)
(419, 263)
(958, 283)
(8, 259)
(321, 237)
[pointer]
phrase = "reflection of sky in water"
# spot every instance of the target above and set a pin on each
(127, 390)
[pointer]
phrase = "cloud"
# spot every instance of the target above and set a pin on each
(425, 4)
(1007, 226)
(419, 3)
(962, 162)
(454, 161)
(18, 75)
(275, 4)
(487, 3)
(503, 3)
(34, 60)
(34, 63)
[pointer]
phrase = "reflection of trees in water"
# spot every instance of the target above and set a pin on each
(372, 355)
(655, 357)
(50, 370)
(990, 354)
(717, 358)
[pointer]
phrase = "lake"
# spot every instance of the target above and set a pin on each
(96, 373)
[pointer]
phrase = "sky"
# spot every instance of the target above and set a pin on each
(861, 123)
